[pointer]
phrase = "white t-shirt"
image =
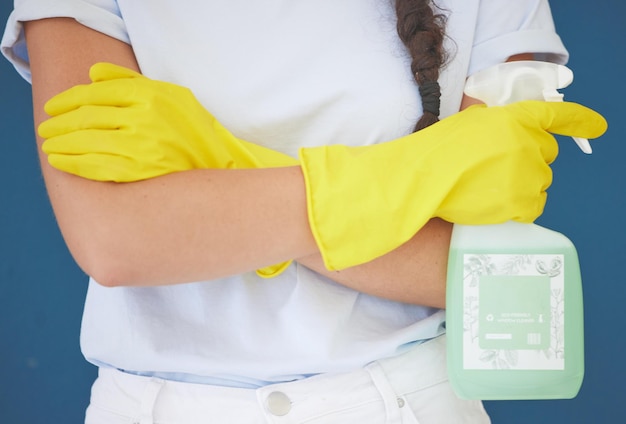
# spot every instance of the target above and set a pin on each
(283, 74)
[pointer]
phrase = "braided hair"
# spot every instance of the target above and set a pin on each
(422, 30)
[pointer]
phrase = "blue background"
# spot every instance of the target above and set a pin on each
(44, 378)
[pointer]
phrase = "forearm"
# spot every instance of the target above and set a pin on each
(189, 226)
(413, 273)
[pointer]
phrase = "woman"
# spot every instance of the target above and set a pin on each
(350, 327)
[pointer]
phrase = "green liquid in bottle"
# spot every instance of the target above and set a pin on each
(514, 313)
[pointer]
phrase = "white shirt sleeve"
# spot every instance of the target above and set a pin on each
(506, 27)
(101, 15)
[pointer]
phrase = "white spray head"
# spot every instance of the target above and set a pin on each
(522, 80)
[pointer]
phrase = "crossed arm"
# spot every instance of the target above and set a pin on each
(192, 225)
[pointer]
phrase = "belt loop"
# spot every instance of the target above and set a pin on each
(148, 400)
(390, 398)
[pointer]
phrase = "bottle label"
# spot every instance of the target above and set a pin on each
(513, 316)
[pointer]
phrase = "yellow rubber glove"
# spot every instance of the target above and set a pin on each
(480, 166)
(125, 127)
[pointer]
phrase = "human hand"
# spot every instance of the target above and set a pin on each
(125, 127)
(480, 166)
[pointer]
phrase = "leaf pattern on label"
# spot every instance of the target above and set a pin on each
(503, 359)
(551, 271)
(477, 265)
(516, 264)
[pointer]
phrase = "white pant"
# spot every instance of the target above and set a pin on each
(410, 389)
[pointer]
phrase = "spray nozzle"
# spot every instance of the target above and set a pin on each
(522, 80)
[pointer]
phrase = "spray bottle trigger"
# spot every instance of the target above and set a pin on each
(583, 143)
(552, 95)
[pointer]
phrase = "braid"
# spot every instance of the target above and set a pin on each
(422, 31)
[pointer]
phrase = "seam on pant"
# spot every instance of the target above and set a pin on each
(148, 400)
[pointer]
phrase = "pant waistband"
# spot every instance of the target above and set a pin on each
(381, 384)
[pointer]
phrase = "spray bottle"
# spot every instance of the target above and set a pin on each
(514, 310)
